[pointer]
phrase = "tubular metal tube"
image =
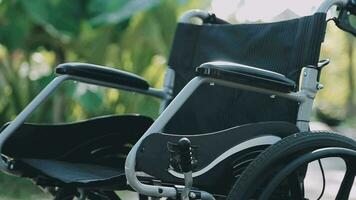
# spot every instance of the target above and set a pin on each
(151, 91)
(25, 113)
(186, 17)
(50, 88)
(162, 120)
(327, 4)
(295, 96)
(158, 125)
(162, 191)
(42, 96)
(206, 196)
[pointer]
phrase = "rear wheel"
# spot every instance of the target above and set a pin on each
(258, 181)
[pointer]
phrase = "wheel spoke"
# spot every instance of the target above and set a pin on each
(346, 184)
(295, 186)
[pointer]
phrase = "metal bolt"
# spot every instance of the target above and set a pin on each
(319, 86)
(192, 195)
(305, 74)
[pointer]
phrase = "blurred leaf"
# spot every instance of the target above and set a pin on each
(91, 101)
(353, 21)
(93, 44)
(115, 11)
(61, 19)
(14, 27)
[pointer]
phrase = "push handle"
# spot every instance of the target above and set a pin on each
(347, 18)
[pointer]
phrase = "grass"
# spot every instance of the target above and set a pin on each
(12, 188)
(16, 188)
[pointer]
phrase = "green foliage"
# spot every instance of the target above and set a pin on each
(10, 190)
(116, 11)
(14, 26)
(132, 35)
(37, 35)
(106, 32)
(61, 19)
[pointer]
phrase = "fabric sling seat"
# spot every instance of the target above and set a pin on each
(283, 47)
(78, 174)
(89, 152)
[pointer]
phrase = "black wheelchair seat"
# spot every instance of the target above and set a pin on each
(86, 152)
(78, 174)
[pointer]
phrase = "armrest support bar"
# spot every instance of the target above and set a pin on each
(168, 113)
(52, 86)
(25, 113)
(154, 92)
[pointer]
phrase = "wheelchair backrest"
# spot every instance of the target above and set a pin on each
(284, 47)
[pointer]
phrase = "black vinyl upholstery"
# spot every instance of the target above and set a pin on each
(77, 173)
(282, 47)
(246, 75)
(209, 147)
(104, 74)
(87, 152)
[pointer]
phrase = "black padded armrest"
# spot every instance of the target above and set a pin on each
(104, 74)
(246, 75)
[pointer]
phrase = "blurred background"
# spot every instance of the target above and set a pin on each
(134, 35)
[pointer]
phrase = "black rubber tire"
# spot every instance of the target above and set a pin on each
(276, 156)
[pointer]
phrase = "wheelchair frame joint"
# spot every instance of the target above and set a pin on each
(182, 160)
(182, 156)
(195, 195)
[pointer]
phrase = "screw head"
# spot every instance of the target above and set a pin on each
(192, 195)
(319, 86)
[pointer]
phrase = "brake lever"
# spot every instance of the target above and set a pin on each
(343, 19)
(343, 23)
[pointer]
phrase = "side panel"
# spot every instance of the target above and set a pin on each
(216, 153)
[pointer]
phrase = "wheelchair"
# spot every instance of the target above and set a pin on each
(234, 123)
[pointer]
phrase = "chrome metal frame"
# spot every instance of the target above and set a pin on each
(305, 96)
(164, 94)
(327, 4)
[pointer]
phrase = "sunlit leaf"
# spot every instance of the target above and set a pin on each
(115, 11)
(14, 28)
(91, 101)
(61, 19)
